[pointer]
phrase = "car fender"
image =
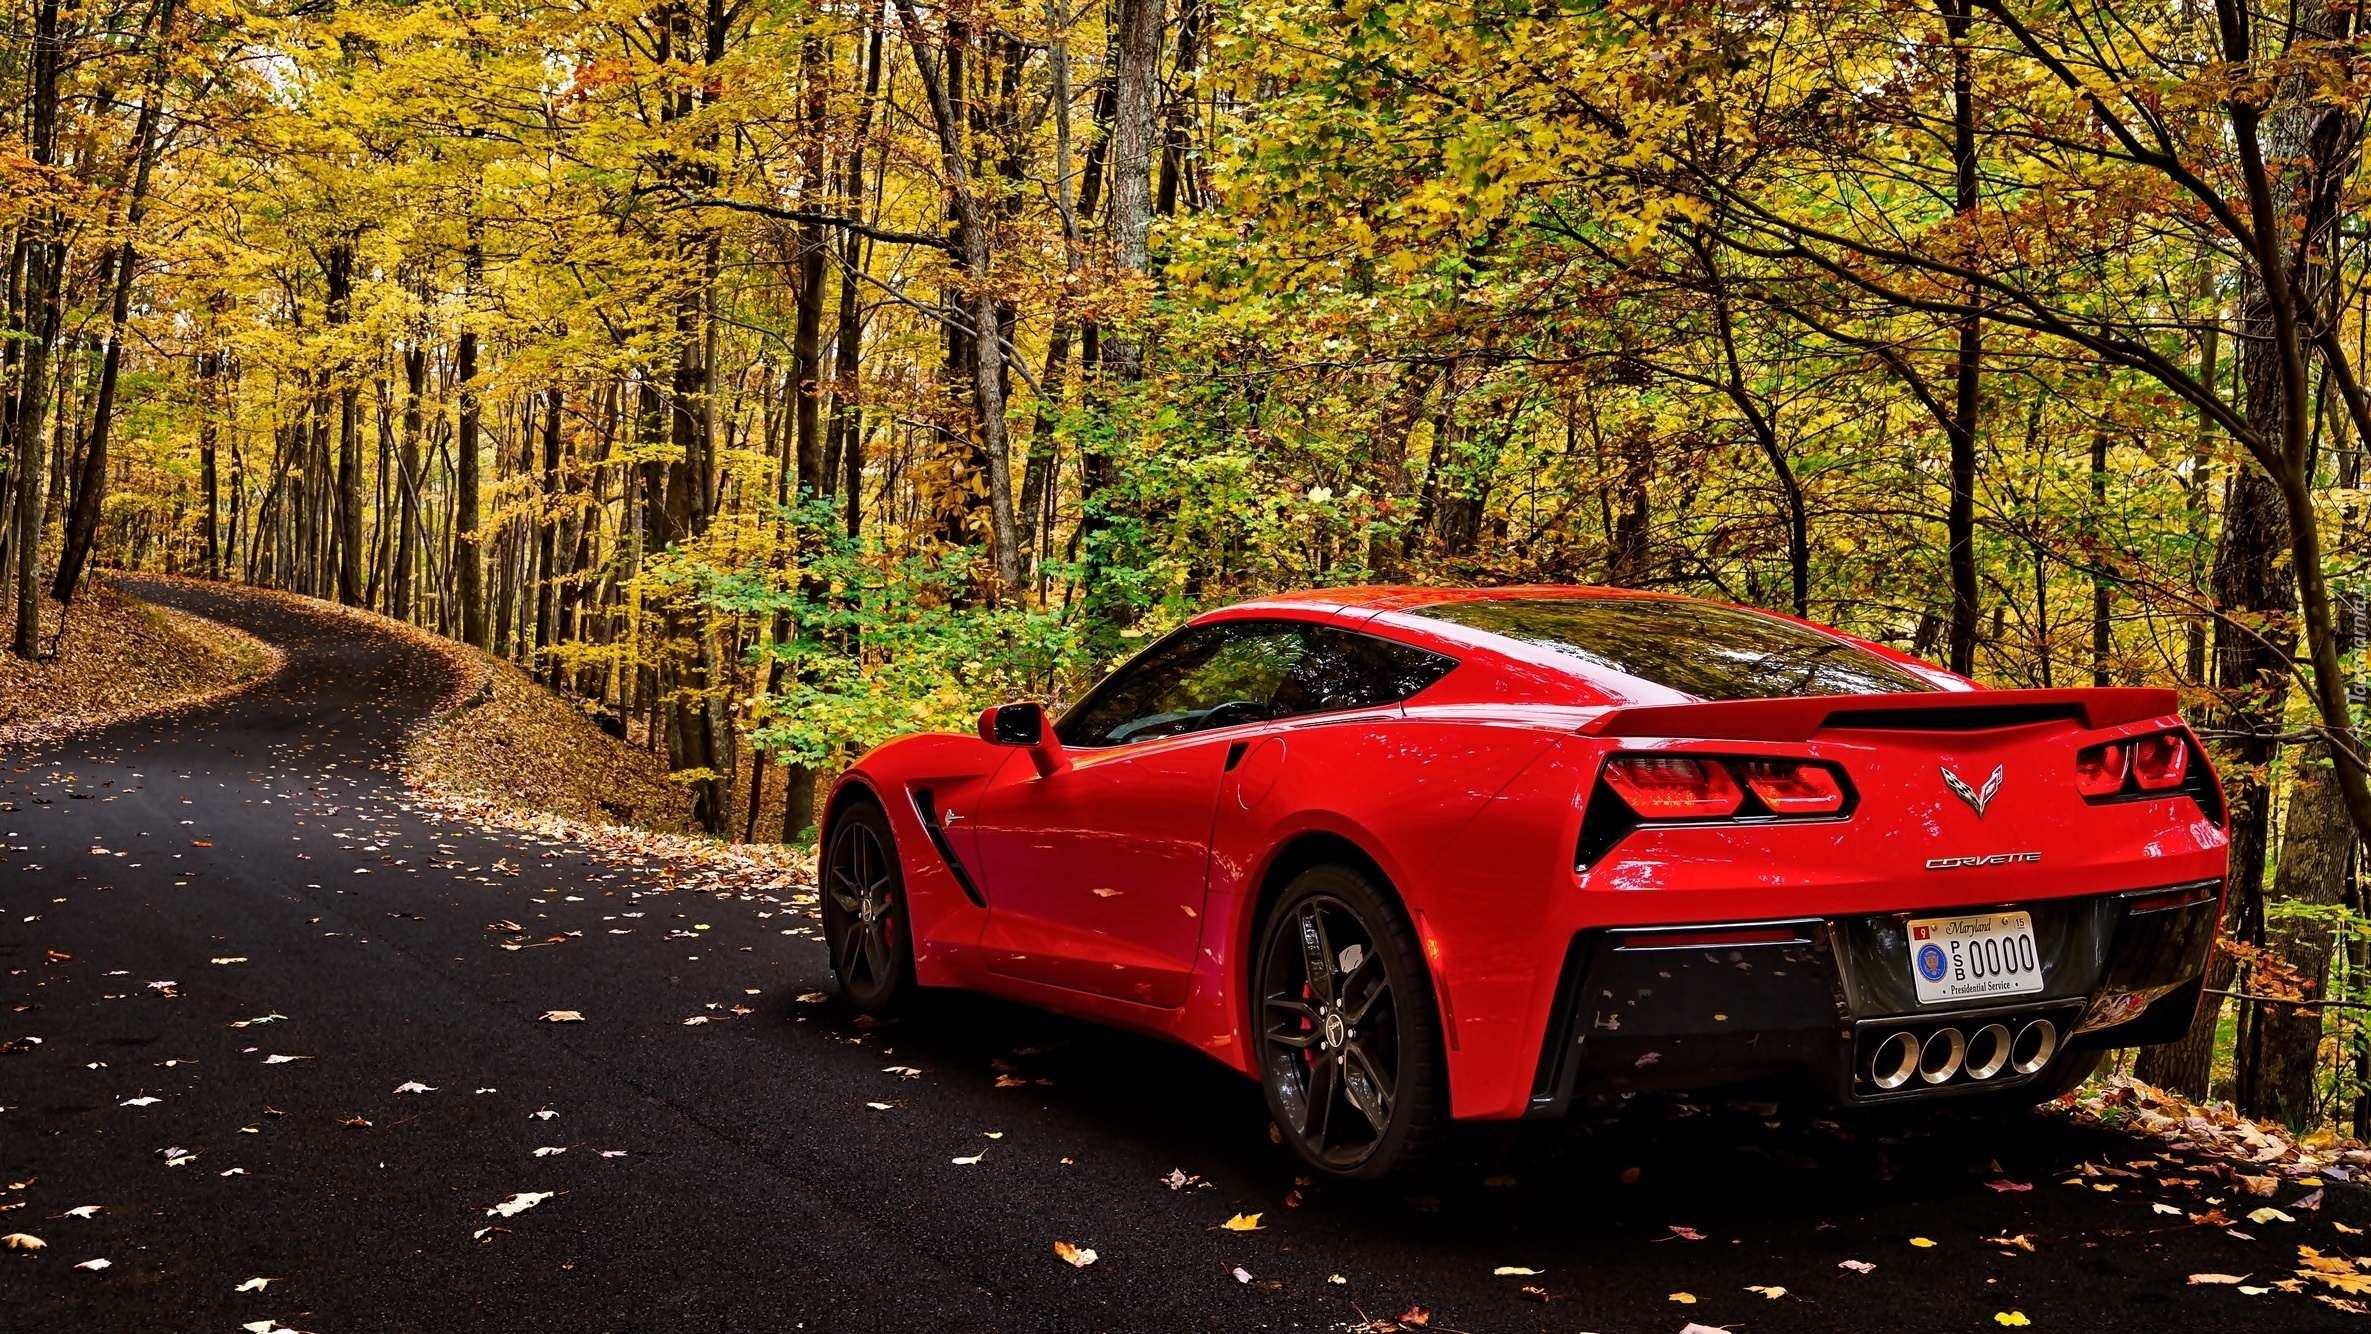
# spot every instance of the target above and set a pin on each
(1418, 784)
(945, 903)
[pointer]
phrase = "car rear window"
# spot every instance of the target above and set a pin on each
(1696, 648)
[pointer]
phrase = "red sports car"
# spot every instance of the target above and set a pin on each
(1407, 856)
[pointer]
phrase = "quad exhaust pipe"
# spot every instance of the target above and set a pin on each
(1946, 1053)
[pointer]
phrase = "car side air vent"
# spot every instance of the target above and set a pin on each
(1981, 718)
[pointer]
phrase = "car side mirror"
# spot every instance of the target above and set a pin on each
(1024, 724)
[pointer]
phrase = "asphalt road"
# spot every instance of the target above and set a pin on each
(770, 1171)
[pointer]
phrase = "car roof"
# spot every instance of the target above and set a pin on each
(1400, 597)
(1523, 671)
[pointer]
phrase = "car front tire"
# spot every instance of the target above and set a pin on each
(1349, 1037)
(865, 920)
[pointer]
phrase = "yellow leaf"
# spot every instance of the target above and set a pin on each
(1243, 1223)
(1921, 1242)
(1078, 1257)
(1684, 1298)
(22, 1241)
(2010, 1318)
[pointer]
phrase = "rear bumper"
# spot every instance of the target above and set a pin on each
(1814, 1002)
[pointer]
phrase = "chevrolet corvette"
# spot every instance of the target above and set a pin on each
(1416, 857)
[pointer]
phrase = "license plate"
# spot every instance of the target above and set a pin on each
(1974, 958)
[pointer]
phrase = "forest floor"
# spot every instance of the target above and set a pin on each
(119, 656)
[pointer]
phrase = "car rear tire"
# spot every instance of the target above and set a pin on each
(865, 922)
(1349, 1038)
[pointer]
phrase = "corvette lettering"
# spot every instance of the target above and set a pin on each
(1995, 859)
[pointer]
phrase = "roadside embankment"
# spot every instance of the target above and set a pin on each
(119, 657)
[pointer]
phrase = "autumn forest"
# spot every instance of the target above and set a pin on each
(771, 377)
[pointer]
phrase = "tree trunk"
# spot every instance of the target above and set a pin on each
(2317, 838)
(466, 576)
(1967, 369)
(976, 249)
(349, 474)
(1137, 46)
(90, 493)
(45, 262)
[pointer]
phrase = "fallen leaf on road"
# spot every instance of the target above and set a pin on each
(1773, 1293)
(485, 1234)
(1243, 1223)
(2019, 1242)
(901, 1071)
(1504, 1270)
(200, 843)
(2269, 1214)
(2202, 1279)
(519, 1203)
(967, 1162)
(1684, 1298)
(1011, 1082)
(1415, 1315)
(2167, 1209)
(1857, 1266)
(2257, 1185)
(812, 998)
(2349, 1231)
(283, 1060)
(2010, 1318)
(413, 1086)
(545, 1115)
(22, 1241)
(229, 958)
(1241, 1274)
(1685, 1233)
(1077, 1257)
(84, 1211)
(233, 1172)
(139, 1102)
(1336, 1278)
(2309, 1203)
(613, 1153)
(94, 1264)
(356, 1123)
(1693, 1328)
(548, 1150)
(697, 1019)
(881, 1106)
(259, 1019)
(2005, 1185)
(254, 1285)
(561, 1017)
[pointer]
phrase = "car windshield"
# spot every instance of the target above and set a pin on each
(1696, 648)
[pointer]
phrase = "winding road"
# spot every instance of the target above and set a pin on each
(238, 943)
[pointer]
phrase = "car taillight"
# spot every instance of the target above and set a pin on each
(2160, 762)
(1789, 788)
(1668, 787)
(2099, 771)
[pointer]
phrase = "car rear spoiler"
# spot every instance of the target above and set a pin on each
(1954, 711)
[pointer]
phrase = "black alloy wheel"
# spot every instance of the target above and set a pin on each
(864, 911)
(1349, 1044)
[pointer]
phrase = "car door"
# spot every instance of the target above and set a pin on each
(1095, 873)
